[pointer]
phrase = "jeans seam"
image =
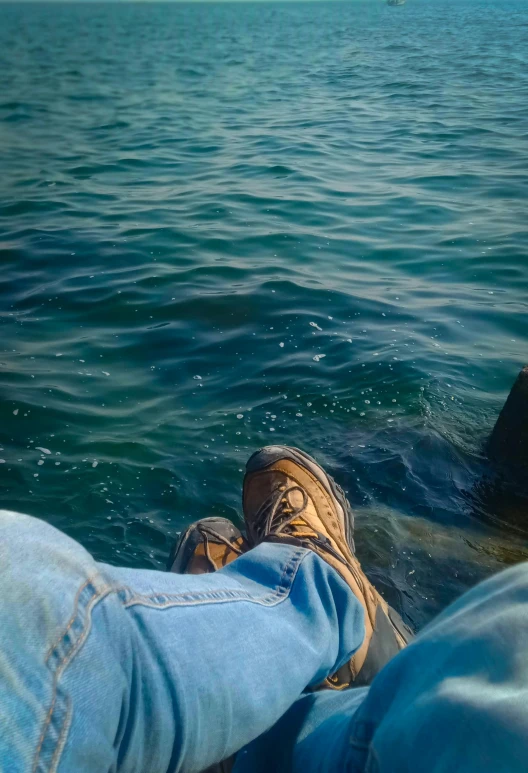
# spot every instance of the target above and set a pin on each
(62, 737)
(372, 763)
(362, 752)
(226, 594)
(59, 667)
(72, 619)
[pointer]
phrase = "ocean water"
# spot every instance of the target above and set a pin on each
(224, 226)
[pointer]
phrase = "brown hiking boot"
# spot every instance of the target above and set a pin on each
(289, 497)
(206, 546)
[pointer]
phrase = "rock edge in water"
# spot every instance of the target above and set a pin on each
(508, 444)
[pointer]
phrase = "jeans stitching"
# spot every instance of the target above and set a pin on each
(222, 595)
(59, 667)
(62, 737)
(72, 618)
(372, 763)
(362, 754)
(362, 733)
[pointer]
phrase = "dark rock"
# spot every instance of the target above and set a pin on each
(508, 444)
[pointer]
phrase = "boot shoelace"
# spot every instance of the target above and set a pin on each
(276, 516)
(207, 535)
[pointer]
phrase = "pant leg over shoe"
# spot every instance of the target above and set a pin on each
(104, 668)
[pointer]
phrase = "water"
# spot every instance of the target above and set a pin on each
(228, 225)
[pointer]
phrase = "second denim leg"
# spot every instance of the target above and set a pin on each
(455, 700)
(312, 737)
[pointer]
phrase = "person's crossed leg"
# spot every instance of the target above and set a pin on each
(104, 668)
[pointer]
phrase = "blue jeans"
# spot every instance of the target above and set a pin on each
(111, 669)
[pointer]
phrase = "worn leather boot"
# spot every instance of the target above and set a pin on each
(288, 497)
(206, 546)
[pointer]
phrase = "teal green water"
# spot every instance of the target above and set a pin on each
(223, 226)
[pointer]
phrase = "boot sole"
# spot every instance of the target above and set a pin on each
(271, 454)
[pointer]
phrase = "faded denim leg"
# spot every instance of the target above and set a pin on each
(111, 669)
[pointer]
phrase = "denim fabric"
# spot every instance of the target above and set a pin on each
(107, 669)
(312, 737)
(454, 701)
(457, 698)
(110, 669)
